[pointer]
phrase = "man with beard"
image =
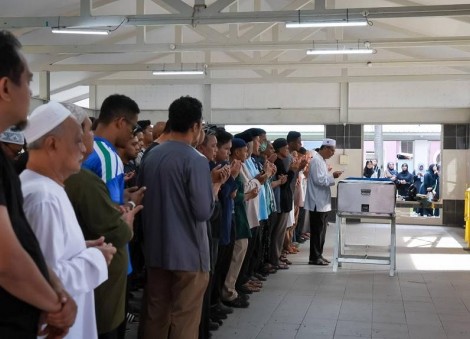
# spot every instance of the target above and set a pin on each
(55, 153)
(318, 199)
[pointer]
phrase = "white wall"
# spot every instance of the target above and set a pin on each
(155, 97)
(313, 103)
(432, 94)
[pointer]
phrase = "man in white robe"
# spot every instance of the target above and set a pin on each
(318, 199)
(55, 151)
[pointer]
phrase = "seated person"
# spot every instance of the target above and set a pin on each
(369, 170)
(391, 172)
(404, 180)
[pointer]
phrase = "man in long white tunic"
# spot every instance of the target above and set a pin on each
(55, 142)
(318, 199)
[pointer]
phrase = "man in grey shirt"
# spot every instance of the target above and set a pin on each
(179, 201)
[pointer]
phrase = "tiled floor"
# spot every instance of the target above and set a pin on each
(428, 298)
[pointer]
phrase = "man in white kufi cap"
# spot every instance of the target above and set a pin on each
(318, 199)
(329, 142)
(55, 152)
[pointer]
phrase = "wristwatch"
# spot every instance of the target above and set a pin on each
(131, 204)
(262, 172)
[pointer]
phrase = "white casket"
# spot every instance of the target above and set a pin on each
(366, 197)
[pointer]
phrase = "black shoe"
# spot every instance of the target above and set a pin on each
(218, 315)
(319, 262)
(217, 321)
(244, 296)
(244, 290)
(238, 302)
(260, 277)
(213, 326)
(223, 309)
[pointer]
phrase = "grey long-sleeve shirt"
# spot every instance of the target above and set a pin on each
(177, 203)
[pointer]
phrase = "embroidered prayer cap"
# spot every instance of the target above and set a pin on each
(12, 137)
(279, 143)
(329, 142)
(44, 119)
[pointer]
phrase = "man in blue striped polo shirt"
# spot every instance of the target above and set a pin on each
(116, 124)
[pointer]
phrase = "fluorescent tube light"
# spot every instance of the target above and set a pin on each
(339, 51)
(195, 72)
(79, 31)
(326, 24)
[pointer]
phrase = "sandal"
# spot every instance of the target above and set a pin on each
(255, 283)
(252, 288)
(283, 267)
(285, 261)
(268, 269)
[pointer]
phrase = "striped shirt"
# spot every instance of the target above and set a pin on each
(105, 163)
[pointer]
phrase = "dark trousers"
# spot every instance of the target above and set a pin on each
(206, 311)
(425, 211)
(257, 257)
(267, 233)
(206, 303)
(318, 224)
(300, 223)
(264, 228)
(220, 272)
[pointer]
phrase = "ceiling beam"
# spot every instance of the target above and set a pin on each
(218, 6)
(305, 15)
(237, 46)
(173, 6)
(238, 17)
(322, 79)
(249, 64)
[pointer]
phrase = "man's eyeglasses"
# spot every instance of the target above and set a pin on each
(135, 128)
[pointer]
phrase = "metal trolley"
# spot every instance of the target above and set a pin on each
(372, 199)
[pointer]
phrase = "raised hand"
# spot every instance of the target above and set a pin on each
(129, 214)
(108, 251)
(129, 175)
(96, 242)
(251, 194)
(135, 194)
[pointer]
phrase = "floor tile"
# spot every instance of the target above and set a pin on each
(362, 301)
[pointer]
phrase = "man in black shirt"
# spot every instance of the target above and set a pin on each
(27, 287)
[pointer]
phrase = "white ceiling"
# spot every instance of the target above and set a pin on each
(424, 39)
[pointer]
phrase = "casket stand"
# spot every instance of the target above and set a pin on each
(372, 199)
